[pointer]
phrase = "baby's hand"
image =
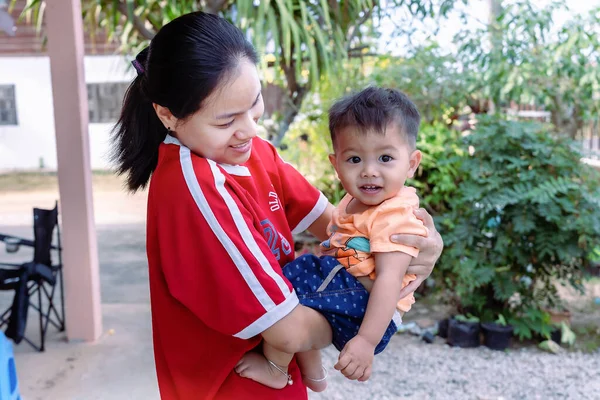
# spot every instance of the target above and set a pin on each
(356, 359)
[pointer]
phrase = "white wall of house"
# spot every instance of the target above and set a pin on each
(23, 146)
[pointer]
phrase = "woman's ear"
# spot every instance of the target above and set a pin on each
(413, 162)
(165, 116)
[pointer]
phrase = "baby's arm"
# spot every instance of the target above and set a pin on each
(357, 356)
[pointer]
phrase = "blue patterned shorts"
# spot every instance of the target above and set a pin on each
(324, 285)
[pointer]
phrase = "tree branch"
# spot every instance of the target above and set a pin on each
(353, 30)
(139, 25)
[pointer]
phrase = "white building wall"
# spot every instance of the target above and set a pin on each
(23, 146)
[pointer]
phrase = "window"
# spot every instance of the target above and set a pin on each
(105, 100)
(8, 105)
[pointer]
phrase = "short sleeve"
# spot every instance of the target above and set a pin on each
(213, 256)
(395, 216)
(303, 203)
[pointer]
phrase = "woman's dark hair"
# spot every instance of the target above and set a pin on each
(185, 62)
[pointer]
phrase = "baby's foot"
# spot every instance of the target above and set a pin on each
(315, 381)
(256, 367)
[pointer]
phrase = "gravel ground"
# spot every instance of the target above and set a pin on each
(411, 369)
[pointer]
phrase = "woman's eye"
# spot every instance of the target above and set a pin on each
(385, 158)
(354, 160)
(227, 125)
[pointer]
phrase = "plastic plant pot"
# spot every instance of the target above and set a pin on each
(496, 336)
(463, 334)
(443, 328)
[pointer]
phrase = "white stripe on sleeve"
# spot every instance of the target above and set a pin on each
(232, 250)
(267, 320)
(312, 216)
(244, 231)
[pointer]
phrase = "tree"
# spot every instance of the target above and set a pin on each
(305, 40)
(535, 62)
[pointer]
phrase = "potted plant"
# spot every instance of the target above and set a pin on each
(443, 327)
(497, 334)
(463, 331)
(524, 218)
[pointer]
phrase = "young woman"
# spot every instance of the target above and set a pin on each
(222, 208)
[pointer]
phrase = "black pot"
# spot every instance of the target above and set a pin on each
(463, 334)
(443, 328)
(495, 336)
(556, 335)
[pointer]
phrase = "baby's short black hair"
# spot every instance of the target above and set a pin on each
(372, 110)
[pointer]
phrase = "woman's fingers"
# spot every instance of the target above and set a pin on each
(419, 270)
(424, 216)
(411, 287)
(409, 240)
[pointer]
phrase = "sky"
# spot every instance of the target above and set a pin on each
(478, 14)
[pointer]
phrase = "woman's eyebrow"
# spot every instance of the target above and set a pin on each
(233, 114)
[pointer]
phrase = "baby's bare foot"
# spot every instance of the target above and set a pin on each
(256, 367)
(315, 380)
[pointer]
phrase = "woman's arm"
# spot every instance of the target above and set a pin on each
(319, 228)
(301, 330)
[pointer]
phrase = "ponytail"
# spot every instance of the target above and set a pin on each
(137, 136)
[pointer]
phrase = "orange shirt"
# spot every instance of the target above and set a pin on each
(354, 237)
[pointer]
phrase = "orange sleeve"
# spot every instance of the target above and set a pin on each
(395, 216)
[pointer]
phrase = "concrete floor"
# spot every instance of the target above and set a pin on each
(120, 365)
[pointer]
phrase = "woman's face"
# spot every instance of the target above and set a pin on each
(223, 128)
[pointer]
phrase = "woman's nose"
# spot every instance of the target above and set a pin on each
(249, 130)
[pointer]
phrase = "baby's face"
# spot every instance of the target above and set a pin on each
(373, 167)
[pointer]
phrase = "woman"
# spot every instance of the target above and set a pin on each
(222, 208)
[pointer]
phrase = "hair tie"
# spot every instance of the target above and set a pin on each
(138, 67)
(139, 61)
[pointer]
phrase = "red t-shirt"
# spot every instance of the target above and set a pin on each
(217, 237)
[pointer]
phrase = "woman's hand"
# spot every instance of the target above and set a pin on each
(430, 249)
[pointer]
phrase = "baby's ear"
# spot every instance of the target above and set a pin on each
(414, 162)
(332, 159)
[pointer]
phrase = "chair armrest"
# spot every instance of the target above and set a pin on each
(11, 265)
(24, 242)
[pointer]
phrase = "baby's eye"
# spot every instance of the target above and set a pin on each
(385, 158)
(354, 160)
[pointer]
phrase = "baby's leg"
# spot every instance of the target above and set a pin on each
(314, 375)
(269, 369)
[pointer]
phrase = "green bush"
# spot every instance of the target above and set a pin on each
(436, 177)
(524, 217)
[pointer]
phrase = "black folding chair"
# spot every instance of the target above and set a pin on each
(37, 278)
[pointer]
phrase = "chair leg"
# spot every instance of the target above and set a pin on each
(51, 309)
(42, 332)
(35, 346)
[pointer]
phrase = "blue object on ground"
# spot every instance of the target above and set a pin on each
(9, 385)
